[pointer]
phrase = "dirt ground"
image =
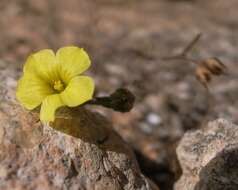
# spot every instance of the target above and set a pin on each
(126, 40)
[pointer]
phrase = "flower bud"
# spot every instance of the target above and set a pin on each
(215, 66)
(203, 75)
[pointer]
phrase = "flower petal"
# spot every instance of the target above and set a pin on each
(31, 90)
(49, 106)
(72, 62)
(79, 90)
(43, 63)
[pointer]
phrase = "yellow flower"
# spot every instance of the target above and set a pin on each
(53, 80)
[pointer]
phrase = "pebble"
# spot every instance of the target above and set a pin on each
(153, 119)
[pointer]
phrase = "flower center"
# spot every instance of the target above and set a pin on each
(58, 85)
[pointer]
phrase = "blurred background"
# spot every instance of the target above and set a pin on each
(126, 40)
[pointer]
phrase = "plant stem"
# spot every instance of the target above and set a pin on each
(186, 50)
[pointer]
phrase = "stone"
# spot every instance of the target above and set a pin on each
(209, 158)
(79, 151)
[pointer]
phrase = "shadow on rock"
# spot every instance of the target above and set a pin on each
(221, 173)
(90, 127)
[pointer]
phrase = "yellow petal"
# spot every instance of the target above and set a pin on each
(72, 62)
(79, 90)
(49, 106)
(31, 90)
(43, 64)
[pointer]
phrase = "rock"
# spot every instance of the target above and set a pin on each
(80, 150)
(209, 158)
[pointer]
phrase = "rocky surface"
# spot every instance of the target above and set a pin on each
(209, 158)
(126, 39)
(81, 152)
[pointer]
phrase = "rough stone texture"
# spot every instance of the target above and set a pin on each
(82, 153)
(209, 158)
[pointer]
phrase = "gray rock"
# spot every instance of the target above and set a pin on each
(209, 158)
